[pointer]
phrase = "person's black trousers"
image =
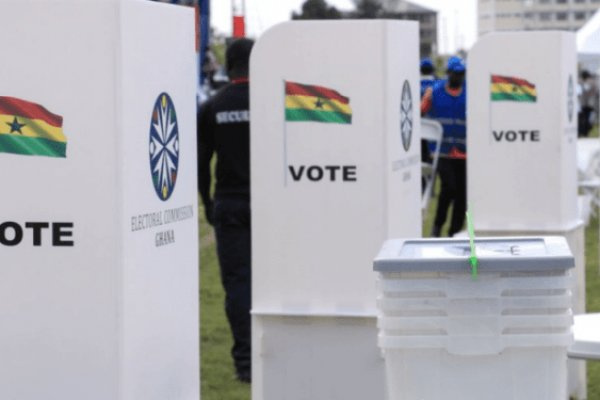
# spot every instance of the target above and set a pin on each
(583, 121)
(453, 177)
(232, 230)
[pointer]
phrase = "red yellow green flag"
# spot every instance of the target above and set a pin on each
(28, 128)
(316, 103)
(512, 89)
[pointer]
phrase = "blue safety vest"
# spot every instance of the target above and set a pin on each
(450, 111)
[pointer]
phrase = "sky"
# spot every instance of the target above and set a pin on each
(457, 22)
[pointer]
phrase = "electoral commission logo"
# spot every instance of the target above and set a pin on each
(406, 117)
(164, 146)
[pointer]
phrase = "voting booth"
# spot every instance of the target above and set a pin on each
(335, 163)
(98, 228)
(522, 133)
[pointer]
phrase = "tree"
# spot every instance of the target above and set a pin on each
(317, 9)
(368, 9)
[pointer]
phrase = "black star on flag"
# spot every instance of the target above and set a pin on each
(15, 126)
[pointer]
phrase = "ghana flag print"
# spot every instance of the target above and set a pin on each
(28, 128)
(512, 89)
(316, 103)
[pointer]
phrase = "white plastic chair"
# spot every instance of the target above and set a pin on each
(588, 171)
(431, 131)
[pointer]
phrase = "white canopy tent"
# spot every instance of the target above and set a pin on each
(588, 44)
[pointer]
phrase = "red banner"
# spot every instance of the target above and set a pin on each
(239, 27)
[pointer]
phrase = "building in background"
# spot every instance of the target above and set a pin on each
(400, 9)
(504, 15)
(181, 2)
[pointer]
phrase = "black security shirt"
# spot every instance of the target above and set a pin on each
(224, 129)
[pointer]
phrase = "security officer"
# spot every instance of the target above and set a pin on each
(224, 129)
(446, 103)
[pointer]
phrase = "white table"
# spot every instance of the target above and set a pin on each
(586, 330)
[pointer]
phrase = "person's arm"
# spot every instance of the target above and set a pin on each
(426, 101)
(206, 149)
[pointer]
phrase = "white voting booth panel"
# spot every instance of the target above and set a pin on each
(310, 357)
(100, 301)
(522, 169)
(314, 234)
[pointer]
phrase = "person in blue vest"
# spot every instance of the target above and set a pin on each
(446, 103)
(428, 78)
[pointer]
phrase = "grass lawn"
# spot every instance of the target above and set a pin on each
(592, 299)
(217, 373)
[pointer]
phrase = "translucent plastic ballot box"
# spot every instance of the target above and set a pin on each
(335, 170)
(98, 214)
(499, 332)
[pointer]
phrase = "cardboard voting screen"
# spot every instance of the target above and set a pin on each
(522, 130)
(335, 154)
(325, 193)
(98, 230)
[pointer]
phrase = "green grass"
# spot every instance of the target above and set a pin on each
(217, 373)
